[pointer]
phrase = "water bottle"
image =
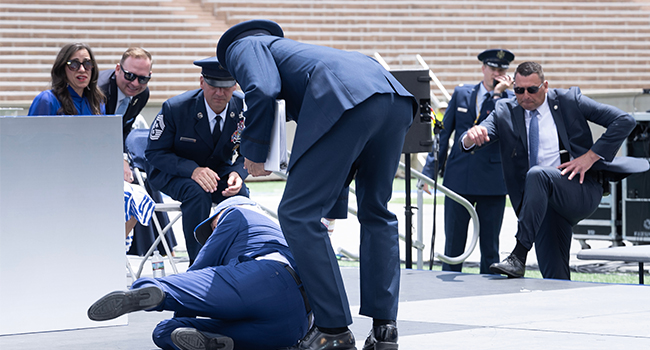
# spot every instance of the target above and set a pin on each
(157, 265)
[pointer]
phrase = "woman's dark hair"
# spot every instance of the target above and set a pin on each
(60, 81)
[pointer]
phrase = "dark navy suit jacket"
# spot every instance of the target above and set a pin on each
(571, 111)
(469, 173)
(180, 139)
(108, 85)
(318, 84)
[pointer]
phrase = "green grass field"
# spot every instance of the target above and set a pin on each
(619, 278)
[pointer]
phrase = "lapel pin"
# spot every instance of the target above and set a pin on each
(199, 115)
(555, 107)
(134, 101)
(232, 114)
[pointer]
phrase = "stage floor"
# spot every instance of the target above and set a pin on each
(441, 310)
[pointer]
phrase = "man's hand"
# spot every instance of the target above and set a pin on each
(234, 185)
(579, 165)
(255, 169)
(505, 82)
(206, 178)
(477, 135)
(128, 174)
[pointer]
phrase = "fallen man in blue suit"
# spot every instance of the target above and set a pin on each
(240, 293)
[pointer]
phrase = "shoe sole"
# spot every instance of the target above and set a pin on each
(192, 339)
(500, 271)
(116, 304)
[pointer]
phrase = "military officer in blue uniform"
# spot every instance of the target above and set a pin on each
(193, 147)
(483, 186)
(242, 292)
(352, 116)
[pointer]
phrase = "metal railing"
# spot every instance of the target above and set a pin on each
(418, 244)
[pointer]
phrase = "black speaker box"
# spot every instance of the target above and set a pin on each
(419, 138)
(637, 222)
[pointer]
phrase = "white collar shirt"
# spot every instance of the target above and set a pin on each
(120, 97)
(549, 144)
(212, 116)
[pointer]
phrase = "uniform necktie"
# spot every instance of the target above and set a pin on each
(124, 103)
(533, 137)
(216, 131)
(486, 108)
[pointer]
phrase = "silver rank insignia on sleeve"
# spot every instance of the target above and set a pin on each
(157, 128)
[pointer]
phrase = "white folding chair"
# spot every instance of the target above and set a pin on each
(136, 143)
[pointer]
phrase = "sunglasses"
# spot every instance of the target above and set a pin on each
(131, 77)
(76, 64)
(530, 89)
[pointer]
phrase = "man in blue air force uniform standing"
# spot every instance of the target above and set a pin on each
(352, 116)
(483, 186)
(193, 148)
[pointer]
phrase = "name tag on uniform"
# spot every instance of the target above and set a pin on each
(187, 139)
(461, 109)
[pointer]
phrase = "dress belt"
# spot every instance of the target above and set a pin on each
(282, 260)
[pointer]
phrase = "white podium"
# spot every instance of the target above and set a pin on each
(61, 220)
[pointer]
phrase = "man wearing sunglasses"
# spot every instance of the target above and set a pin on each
(554, 171)
(483, 186)
(126, 90)
(193, 147)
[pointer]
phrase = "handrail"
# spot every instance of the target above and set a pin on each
(434, 77)
(462, 201)
(449, 193)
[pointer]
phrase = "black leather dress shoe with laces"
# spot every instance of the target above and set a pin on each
(510, 266)
(116, 304)
(317, 340)
(192, 339)
(383, 337)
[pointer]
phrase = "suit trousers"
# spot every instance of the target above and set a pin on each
(490, 215)
(257, 303)
(195, 206)
(367, 141)
(552, 204)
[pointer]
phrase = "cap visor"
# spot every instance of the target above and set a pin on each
(219, 83)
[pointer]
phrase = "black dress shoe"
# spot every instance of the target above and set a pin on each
(192, 339)
(317, 340)
(383, 337)
(116, 304)
(511, 266)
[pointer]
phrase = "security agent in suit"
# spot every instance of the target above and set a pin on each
(193, 148)
(241, 292)
(563, 184)
(352, 117)
(129, 80)
(476, 175)
(127, 84)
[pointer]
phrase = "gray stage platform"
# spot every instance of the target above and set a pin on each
(440, 310)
